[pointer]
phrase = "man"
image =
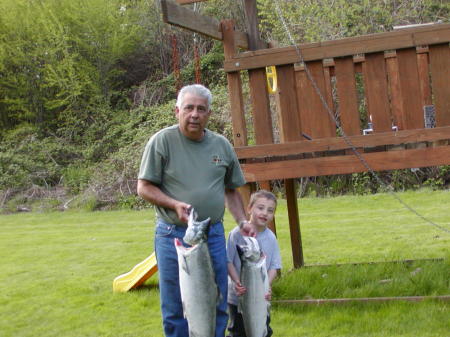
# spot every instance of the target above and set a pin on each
(183, 166)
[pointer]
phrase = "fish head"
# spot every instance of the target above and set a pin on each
(192, 216)
(177, 242)
(250, 251)
(197, 230)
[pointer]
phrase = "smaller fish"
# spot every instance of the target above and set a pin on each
(197, 230)
(253, 305)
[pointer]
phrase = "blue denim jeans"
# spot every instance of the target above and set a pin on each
(174, 323)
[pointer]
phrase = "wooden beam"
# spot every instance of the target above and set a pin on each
(406, 38)
(360, 58)
(251, 13)
(377, 161)
(290, 125)
(398, 114)
(287, 106)
(262, 117)
(339, 143)
(184, 17)
(377, 92)
(410, 87)
(347, 92)
(315, 120)
(294, 223)
(440, 77)
(234, 87)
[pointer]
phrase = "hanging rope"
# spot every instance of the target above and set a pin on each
(198, 71)
(333, 115)
(176, 63)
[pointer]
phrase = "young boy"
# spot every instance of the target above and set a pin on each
(262, 210)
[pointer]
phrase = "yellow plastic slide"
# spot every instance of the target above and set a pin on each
(136, 276)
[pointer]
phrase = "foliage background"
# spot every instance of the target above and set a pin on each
(84, 84)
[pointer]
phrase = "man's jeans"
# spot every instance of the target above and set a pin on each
(174, 323)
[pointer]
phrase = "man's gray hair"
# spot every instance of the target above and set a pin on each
(194, 89)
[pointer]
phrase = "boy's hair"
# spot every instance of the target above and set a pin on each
(262, 194)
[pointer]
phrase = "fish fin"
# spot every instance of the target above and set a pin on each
(263, 273)
(192, 216)
(240, 251)
(262, 262)
(185, 265)
(240, 308)
(184, 309)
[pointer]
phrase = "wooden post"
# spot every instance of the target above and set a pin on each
(377, 94)
(294, 223)
(396, 94)
(251, 12)
(234, 87)
(262, 119)
(290, 126)
(440, 77)
(347, 93)
(410, 87)
(236, 100)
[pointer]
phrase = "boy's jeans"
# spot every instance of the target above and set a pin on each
(174, 323)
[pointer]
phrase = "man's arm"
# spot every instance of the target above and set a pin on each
(235, 205)
(152, 193)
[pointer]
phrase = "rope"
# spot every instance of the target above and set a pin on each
(389, 188)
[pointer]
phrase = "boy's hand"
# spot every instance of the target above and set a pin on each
(269, 294)
(239, 288)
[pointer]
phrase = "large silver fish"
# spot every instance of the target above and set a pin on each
(199, 292)
(253, 305)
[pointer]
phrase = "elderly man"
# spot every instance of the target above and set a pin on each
(184, 166)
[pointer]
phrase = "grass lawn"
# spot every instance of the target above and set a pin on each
(58, 268)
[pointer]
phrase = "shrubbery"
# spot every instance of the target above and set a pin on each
(83, 85)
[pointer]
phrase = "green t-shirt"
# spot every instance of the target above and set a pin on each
(195, 172)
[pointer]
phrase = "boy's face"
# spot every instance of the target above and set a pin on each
(262, 212)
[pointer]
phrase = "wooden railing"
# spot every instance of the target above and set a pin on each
(387, 79)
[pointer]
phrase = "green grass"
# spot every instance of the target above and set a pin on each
(58, 268)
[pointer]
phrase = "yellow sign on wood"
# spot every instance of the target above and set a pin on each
(271, 74)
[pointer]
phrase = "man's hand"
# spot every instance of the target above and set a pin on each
(247, 229)
(152, 193)
(182, 210)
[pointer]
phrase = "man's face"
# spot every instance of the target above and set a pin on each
(192, 116)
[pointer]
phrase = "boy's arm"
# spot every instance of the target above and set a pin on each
(233, 273)
(272, 273)
(233, 201)
(240, 290)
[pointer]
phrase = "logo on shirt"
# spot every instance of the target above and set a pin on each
(216, 159)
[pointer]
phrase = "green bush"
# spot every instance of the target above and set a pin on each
(27, 159)
(76, 178)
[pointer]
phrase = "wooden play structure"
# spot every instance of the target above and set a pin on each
(406, 79)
